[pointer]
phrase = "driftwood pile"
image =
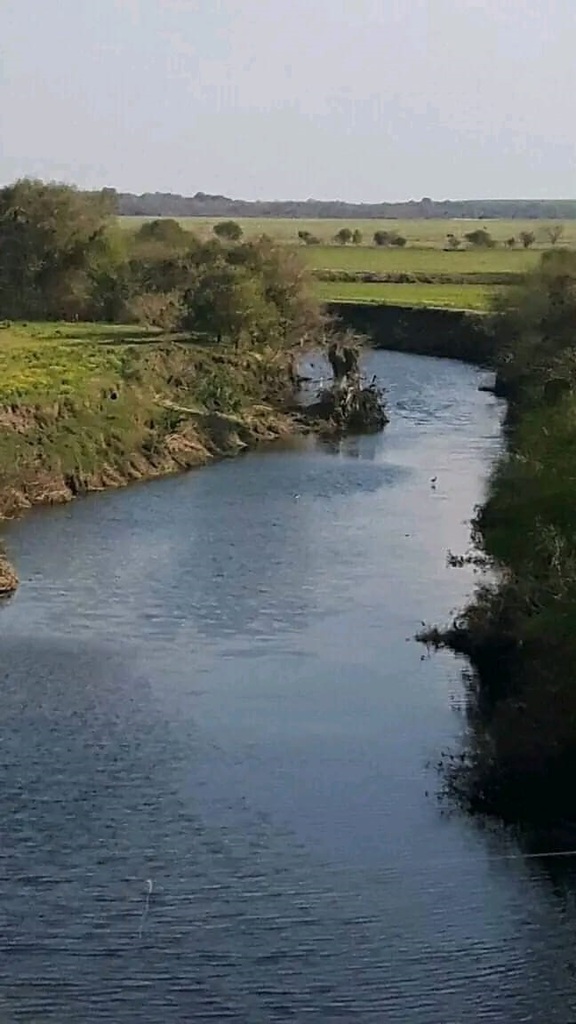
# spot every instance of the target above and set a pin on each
(349, 405)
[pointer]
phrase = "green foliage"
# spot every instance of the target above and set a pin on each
(50, 237)
(383, 237)
(480, 239)
(343, 236)
(165, 231)
(228, 231)
(527, 238)
(308, 238)
(357, 236)
(452, 241)
(521, 630)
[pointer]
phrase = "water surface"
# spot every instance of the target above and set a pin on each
(209, 682)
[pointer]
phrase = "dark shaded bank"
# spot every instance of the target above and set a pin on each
(519, 630)
(446, 333)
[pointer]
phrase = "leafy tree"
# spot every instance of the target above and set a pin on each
(257, 292)
(165, 231)
(480, 239)
(399, 241)
(308, 238)
(554, 233)
(357, 237)
(527, 238)
(228, 231)
(510, 242)
(383, 237)
(535, 321)
(343, 237)
(227, 303)
(50, 235)
(452, 242)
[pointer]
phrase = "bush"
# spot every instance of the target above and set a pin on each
(228, 231)
(163, 231)
(480, 239)
(343, 237)
(527, 238)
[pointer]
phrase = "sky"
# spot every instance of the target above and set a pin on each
(360, 100)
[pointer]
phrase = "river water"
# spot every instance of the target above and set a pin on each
(218, 746)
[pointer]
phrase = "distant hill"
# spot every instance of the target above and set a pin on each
(164, 204)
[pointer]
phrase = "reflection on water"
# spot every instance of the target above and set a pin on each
(206, 683)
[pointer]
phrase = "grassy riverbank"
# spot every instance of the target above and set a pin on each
(87, 406)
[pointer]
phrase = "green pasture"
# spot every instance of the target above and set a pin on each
(418, 261)
(437, 296)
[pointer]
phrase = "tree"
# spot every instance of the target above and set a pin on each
(510, 242)
(555, 232)
(399, 241)
(228, 231)
(383, 237)
(227, 303)
(357, 236)
(308, 238)
(452, 242)
(480, 239)
(527, 238)
(343, 237)
(535, 321)
(256, 291)
(165, 231)
(50, 235)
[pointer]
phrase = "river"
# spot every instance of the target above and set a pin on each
(218, 796)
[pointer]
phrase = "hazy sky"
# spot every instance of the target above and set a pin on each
(275, 99)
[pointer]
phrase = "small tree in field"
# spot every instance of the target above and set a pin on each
(164, 230)
(554, 233)
(527, 238)
(343, 237)
(399, 241)
(452, 242)
(480, 239)
(357, 237)
(383, 237)
(228, 231)
(510, 242)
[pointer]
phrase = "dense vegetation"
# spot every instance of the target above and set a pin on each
(158, 204)
(520, 629)
(62, 257)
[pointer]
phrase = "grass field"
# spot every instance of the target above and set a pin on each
(412, 260)
(436, 296)
(41, 360)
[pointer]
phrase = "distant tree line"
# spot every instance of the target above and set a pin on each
(162, 204)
